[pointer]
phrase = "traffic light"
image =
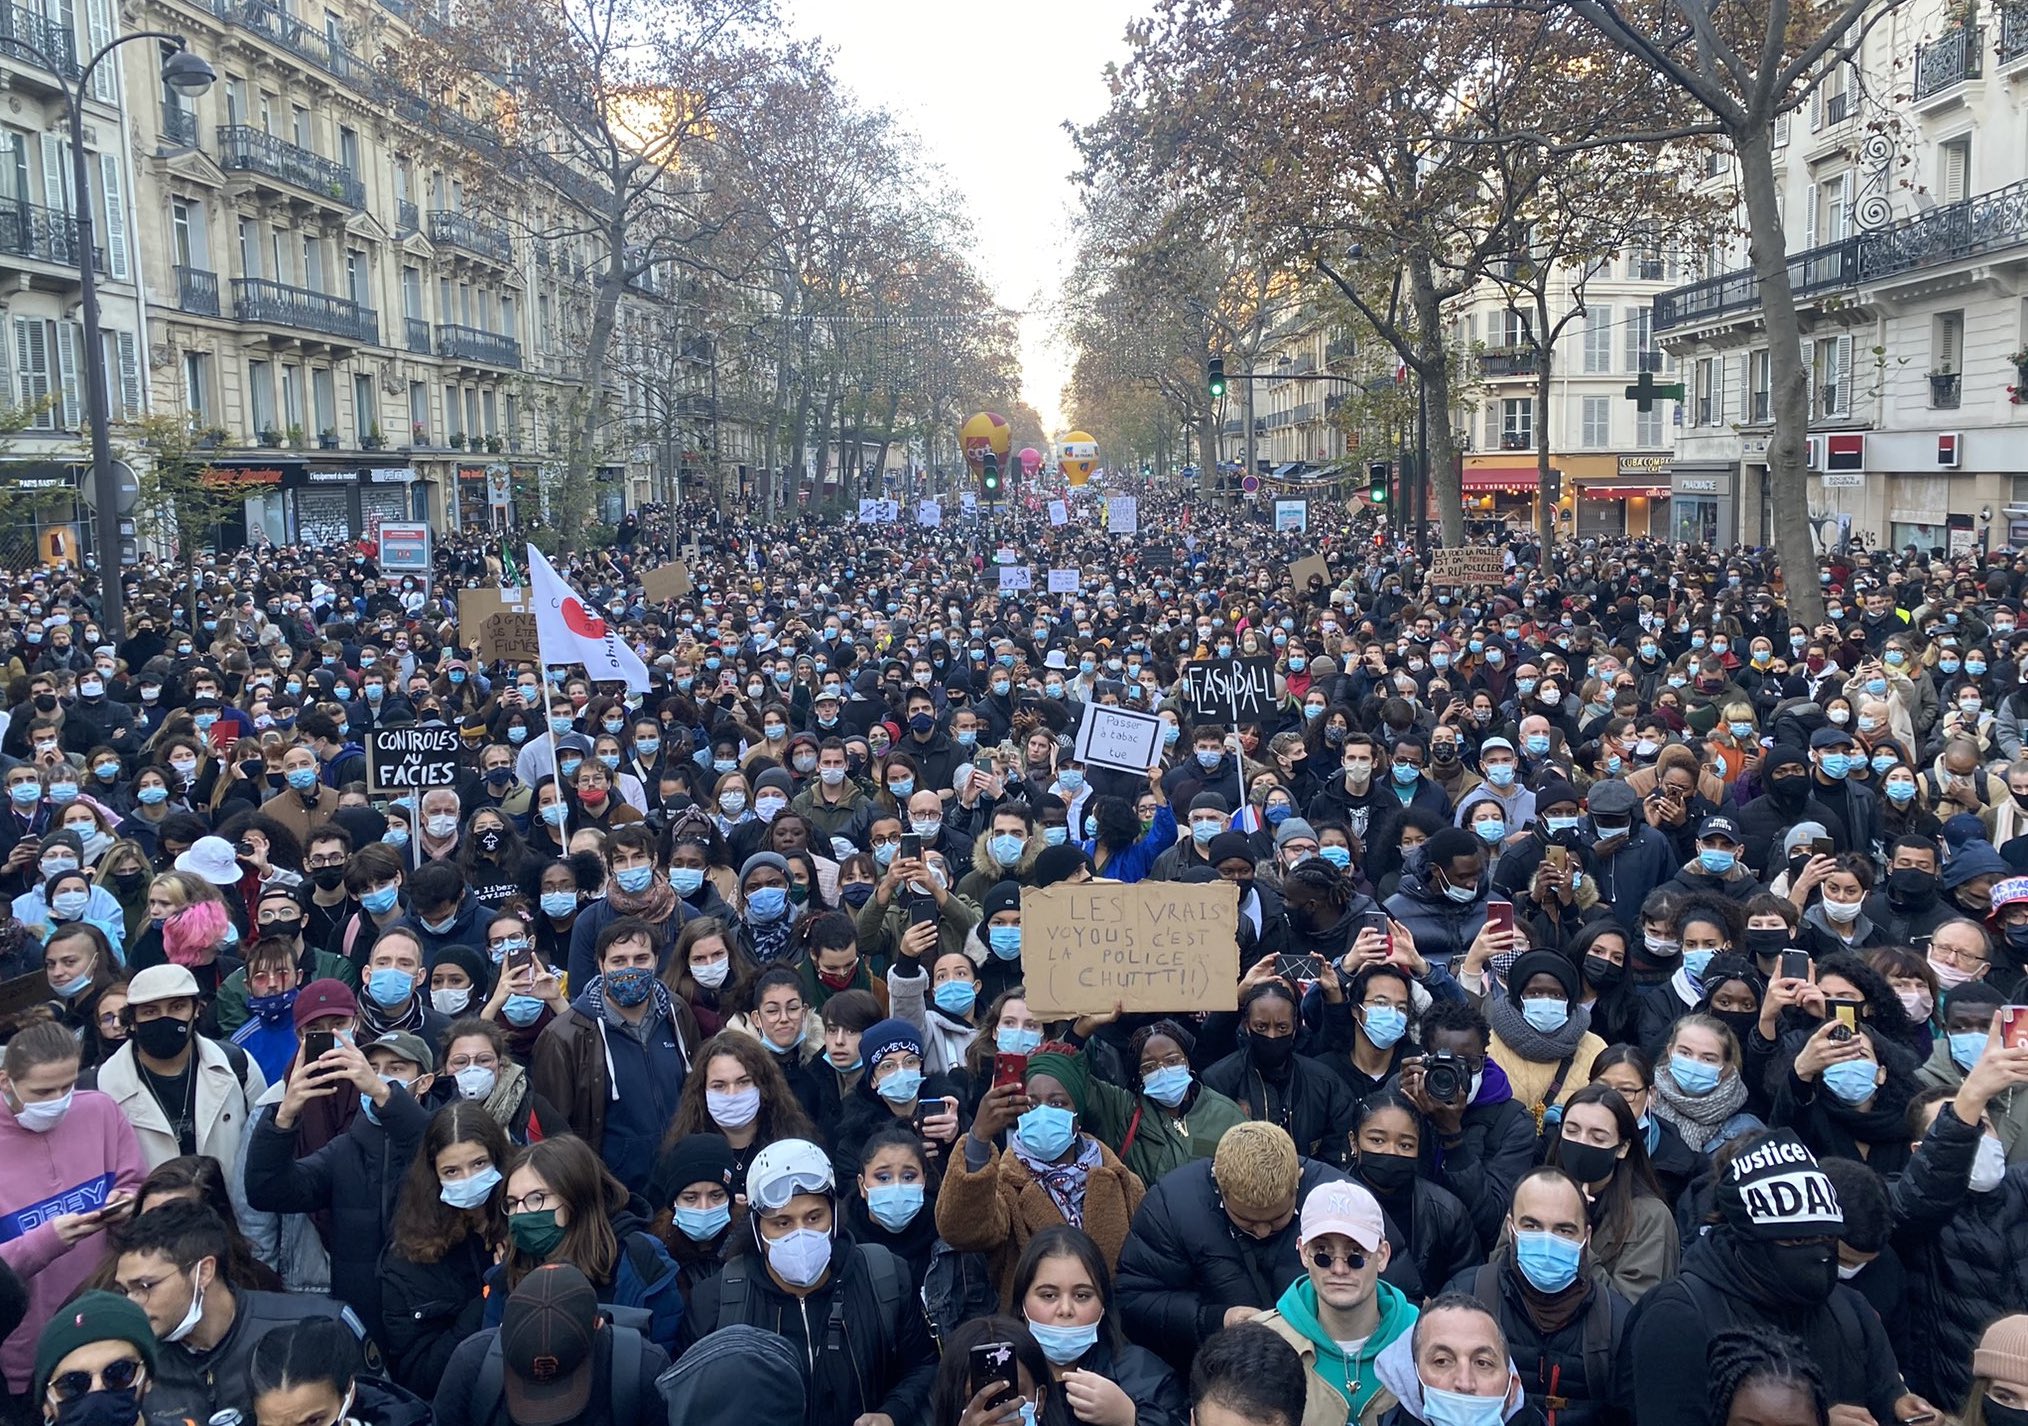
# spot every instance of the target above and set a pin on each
(1217, 378)
(990, 475)
(1376, 482)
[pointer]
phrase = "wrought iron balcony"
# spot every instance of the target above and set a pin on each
(197, 291)
(406, 218)
(1987, 223)
(1820, 269)
(315, 45)
(462, 230)
(471, 344)
(2013, 31)
(33, 38)
(1950, 61)
(28, 230)
(244, 149)
(179, 127)
(1508, 361)
(276, 304)
(418, 336)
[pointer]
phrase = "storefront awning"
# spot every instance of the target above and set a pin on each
(1511, 479)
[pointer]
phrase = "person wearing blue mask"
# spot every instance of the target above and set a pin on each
(940, 993)
(696, 1210)
(616, 1061)
(1500, 768)
(1443, 893)
(1454, 1369)
(394, 993)
(893, 1207)
(1700, 1087)
(1719, 868)
(1967, 1016)
(1702, 935)
(637, 885)
(895, 1091)
(1542, 1039)
(1553, 1301)
(538, 756)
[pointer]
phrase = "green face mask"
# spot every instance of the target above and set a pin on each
(536, 1234)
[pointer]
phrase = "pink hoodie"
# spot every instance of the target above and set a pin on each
(73, 1168)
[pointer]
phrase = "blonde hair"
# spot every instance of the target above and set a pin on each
(1256, 1166)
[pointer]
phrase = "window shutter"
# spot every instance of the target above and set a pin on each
(1955, 156)
(66, 370)
(1633, 330)
(1492, 425)
(1734, 406)
(99, 29)
(1817, 108)
(130, 376)
(116, 215)
(1781, 130)
(1810, 221)
(55, 191)
(32, 364)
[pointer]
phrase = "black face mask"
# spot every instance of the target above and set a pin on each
(1601, 974)
(121, 1408)
(1271, 1052)
(328, 878)
(1587, 1163)
(162, 1039)
(1766, 944)
(1994, 1412)
(1911, 886)
(1740, 1022)
(490, 841)
(1388, 1175)
(1789, 1275)
(1789, 791)
(129, 882)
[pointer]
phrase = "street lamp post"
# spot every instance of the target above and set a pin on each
(186, 73)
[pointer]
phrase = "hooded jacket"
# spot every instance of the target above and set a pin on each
(996, 1208)
(1443, 929)
(1305, 1097)
(1557, 1364)
(1496, 1145)
(1672, 1328)
(1396, 1366)
(735, 1377)
(1334, 1383)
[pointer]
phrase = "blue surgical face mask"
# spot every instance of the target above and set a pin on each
(1546, 1260)
(635, 878)
(767, 904)
(1405, 774)
(701, 1225)
(1716, 860)
(1337, 856)
(1070, 779)
(390, 987)
(894, 1205)
(686, 879)
(956, 997)
(1852, 1081)
(1063, 1345)
(381, 901)
(1055, 836)
(1966, 1047)
(901, 1087)
(1012, 1040)
(1695, 963)
(559, 904)
(1202, 832)
(472, 1191)
(1167, 1085)
(1501, 774)
(521, 1010)
(1004, 941)
(1546, 1015)
(1385, 1025)
(1694, 1077)
(1046, 1131)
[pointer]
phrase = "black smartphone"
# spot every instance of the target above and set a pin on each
(317, 1044)
(518, 960)
(911, 847)
(1298, 969)
(1795, 965)
(994, 1364)
(1823, 847)
(921, 909)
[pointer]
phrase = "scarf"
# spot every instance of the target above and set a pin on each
(1064, 1183)
(652, 905)
(506, 1095)
(1551, 1312)
(1696, 1118)
(1530, 1043)
(771, 942)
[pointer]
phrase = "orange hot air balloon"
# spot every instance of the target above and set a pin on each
(986, 431)
(1079, 455)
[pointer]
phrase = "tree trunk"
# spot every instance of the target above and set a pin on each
(572, 507)
(1441, 473)
(1545, 480)
(1789, 381)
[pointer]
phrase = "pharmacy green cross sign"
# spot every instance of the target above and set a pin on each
(1646, 392)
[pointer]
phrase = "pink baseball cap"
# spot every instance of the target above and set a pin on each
(1343, 1208)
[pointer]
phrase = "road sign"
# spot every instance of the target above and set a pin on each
(126, 488)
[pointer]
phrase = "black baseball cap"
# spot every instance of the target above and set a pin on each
(546, 1345)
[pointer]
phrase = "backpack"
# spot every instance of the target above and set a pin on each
(490, 1385)
(956, 1288)
(238, 1059)
(890, 1291)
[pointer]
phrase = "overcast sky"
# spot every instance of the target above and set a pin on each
(988, 88)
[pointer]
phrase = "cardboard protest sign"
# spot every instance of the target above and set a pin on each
(1152, 946)
(1059, 513)
(1123, 515)
(1119, 738)
(1063, 581)
(929, 514)
(413, 758)
(1214, 683)
(1015, 577)
(1472, 564)
(498, 624)
(665, 582)
(1307, 568)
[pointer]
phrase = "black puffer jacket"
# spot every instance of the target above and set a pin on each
(1158, 1397)
(1184, 1262)
(1558, 1364)
(1306, 1098)
(1436, 1241)
(1966, 1254)
(1443, 929)
(1497, 1145)
(1673, 1325)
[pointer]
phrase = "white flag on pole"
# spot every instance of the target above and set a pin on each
(567, 630)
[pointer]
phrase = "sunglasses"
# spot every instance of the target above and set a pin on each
(1353, 1259)
(114, 1376)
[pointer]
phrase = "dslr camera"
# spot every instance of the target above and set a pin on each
(1446, 1077)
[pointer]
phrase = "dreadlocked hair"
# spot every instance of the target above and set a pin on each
(1737, 1359)
(1333, 885)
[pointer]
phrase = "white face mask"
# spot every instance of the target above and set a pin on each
(476, 1081)
(712, 974)
(42, 1117)
(451, 1002)
(1989, 1165)
(194, 1315)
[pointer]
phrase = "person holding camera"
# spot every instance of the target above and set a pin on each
(1485, 1138)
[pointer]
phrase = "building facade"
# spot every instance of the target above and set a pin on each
(1904, 185)
(42, 347)
(1611, 454)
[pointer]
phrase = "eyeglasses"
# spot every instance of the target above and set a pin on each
(781, 1012)
(282, 925)
(1963, 960)
(1353, 1259)
(325, 862)
(1176, 1061)
(113, 1376)
(533, 1202)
